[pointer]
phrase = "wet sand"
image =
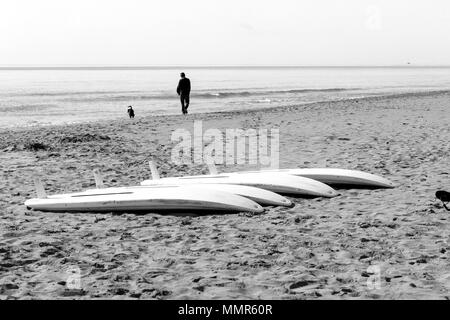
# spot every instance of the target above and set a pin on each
(322, 248)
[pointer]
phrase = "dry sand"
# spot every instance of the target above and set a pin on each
(321, 248)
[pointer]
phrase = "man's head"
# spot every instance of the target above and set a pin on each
(182, 75)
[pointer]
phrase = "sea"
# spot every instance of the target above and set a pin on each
(36, 96)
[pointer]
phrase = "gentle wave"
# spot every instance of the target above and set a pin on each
(265, 92)
(127, 96)
(73, 93)
(30, 107)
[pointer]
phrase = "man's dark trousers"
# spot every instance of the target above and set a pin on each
(184, 103)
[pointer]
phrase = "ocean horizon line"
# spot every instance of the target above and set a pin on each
(164, 67)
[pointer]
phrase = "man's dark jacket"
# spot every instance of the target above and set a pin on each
(184, 87)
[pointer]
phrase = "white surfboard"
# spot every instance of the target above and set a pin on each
(157, 198)
(333, 176)
(261, 196)
(272, 181)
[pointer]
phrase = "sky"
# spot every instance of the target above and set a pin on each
(223, 33)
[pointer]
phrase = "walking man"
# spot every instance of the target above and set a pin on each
(183, 90)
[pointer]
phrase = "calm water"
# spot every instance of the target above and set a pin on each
(39, 97)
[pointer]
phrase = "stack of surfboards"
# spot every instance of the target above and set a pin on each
(232, 192)
(170, 198)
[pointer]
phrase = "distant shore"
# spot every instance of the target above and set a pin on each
(321, 248)
(136, 67)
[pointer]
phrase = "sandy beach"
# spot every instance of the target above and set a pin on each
(319, 249)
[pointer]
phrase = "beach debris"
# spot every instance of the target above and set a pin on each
(300, 284)
(84, 137)
(35, 146)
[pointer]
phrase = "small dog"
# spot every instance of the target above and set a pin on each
(444, 196)
(130, 112)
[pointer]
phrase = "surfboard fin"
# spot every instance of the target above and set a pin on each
(212, 168)
(98, 179)
(322, 163)
(40, 191)
(154, 170)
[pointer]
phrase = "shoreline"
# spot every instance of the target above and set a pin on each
(238, 111)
